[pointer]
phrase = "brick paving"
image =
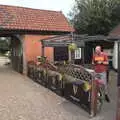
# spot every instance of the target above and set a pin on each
(23, 99)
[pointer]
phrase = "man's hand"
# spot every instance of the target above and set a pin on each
(105, 63)
(99, 62)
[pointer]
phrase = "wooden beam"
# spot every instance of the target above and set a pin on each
(35, 32)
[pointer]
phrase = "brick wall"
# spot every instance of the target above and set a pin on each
(33, 47)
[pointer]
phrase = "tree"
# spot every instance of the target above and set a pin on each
(4, 43)
(95, 16)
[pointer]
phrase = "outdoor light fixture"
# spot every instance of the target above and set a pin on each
(72, 46)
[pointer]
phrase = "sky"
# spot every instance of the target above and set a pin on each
(59, 5)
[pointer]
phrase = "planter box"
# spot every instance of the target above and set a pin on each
(74, 92)
(31, 71)
(41, 76)
(55, 82)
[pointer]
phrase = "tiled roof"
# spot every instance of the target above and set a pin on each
(20, 18)
(115, 31)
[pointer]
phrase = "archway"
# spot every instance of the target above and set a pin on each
(11, 48)
(17, 54)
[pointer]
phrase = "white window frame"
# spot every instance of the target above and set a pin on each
(78, 53)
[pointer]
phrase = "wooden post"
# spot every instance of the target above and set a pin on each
(118, 84)
(93, 108)
(82, 55)
(12, 52)
(43, 49)
(73, 56)
(118, 105)
(70, 56)
(24, 55)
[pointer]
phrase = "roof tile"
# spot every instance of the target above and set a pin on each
(13, 17)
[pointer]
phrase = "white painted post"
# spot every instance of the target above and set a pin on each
(118, 84)
(70, 55)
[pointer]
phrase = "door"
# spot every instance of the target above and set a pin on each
(60, 53)
(88, 53)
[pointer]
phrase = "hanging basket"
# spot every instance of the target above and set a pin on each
(72, 47)
(41, 59)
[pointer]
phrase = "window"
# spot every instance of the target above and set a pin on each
(78, 53)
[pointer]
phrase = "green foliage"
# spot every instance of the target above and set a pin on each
(41, 59)
(95, 16)
(4, 43)
(72, 46)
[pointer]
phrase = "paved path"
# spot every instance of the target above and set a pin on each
(22, 99)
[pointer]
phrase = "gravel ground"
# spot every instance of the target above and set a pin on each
(22, 99)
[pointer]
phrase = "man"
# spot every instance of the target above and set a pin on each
(100, 62)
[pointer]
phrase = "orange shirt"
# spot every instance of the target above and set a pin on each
(102, 57)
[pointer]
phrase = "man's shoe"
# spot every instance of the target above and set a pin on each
(107, 98)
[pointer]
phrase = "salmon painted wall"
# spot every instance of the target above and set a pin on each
(33, 47)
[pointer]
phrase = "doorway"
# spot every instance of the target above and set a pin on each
(61, 53)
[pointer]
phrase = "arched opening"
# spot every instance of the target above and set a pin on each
(16, 54)
(11, 52)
